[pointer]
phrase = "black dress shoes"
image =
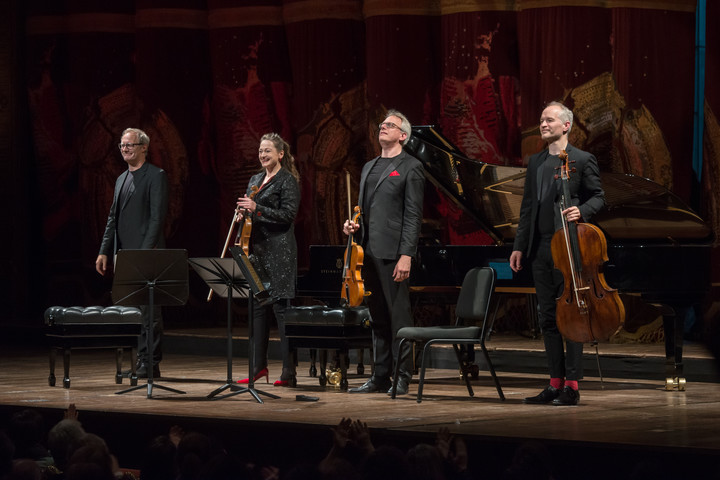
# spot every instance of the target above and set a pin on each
(546, 396)
(568, 396)
(372, 386)
(402, 386)
(142, 372)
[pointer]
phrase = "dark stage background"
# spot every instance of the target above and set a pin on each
(206, 79)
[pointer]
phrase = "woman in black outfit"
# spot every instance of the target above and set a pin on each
(273, 250)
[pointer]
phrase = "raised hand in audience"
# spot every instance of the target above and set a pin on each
(71, 413)
(453, 449)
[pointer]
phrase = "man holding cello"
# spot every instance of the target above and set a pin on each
(391, 201)
(540, 218)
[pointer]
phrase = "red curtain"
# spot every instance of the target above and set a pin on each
(208, 78)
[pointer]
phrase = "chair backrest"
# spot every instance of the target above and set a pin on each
(474, 299)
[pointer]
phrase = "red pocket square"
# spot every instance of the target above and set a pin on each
(394, 173)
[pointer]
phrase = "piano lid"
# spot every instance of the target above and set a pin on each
(637, 209)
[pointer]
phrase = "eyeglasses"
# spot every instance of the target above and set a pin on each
(128, 145)
(388, 125)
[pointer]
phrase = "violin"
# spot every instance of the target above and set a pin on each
(588, 309)
(353, 288)
(243, 237)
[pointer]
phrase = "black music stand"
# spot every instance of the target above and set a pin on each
(263, 297)
(150, 277)
(225, 278)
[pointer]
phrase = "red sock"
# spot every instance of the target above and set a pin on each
(558, 383)
(572, 384)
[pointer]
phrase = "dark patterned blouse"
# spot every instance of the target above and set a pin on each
(273, 250)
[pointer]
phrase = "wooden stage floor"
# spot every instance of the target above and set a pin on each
(618, 423)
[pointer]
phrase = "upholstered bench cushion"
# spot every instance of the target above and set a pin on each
(88, 315)
(320, 315)
(93, 321)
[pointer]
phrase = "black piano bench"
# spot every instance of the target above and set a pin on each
(335, 328)
(92, 327)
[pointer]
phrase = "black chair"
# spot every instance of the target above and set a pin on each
(470, 328)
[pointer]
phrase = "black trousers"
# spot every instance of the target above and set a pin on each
(261, 337)
(389, 304)
(562, 362)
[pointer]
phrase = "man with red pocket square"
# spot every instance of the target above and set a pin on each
(391, 201)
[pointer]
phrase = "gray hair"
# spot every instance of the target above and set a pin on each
(63, 439)
(566, 114)
(141, 136)
(404, 124)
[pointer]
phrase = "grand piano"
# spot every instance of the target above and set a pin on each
(658, 248)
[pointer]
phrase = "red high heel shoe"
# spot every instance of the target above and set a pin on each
(259, 375)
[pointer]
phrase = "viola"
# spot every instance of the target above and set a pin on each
(588, 309)
(353, 287)
(243, 237)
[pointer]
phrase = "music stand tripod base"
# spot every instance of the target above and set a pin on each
(227, 280)
(150, 278)
(263, 297)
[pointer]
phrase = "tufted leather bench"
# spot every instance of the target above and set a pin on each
(321, 327)
(92, 327)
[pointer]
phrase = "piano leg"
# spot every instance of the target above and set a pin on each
(313, 358)
(673, 324)
(343, 361)
(361, 365)
(323, 367)
(53, 356)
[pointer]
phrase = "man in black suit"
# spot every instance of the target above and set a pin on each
(136, 221)
(391, 202)
(540, 218)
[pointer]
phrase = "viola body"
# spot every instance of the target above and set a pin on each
(588, 309)
(353, 287)
(243, 236)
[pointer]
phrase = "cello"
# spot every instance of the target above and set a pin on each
(588, 309)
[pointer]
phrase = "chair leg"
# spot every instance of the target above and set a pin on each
(397, 369)
(597, 359)
(492, 370)
(463, 370)
(423, 362)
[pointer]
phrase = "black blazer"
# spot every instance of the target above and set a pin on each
(585, 191)
(139, 222)
(272, 240)
(396, 208)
